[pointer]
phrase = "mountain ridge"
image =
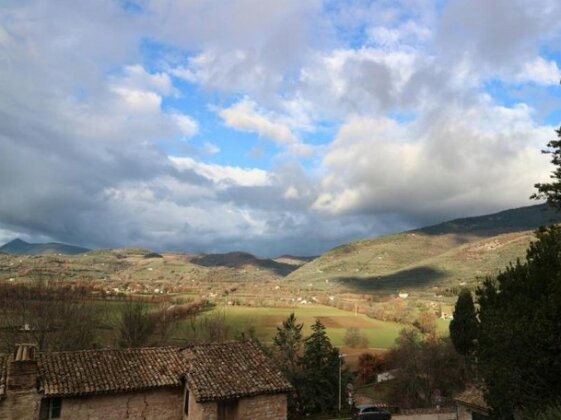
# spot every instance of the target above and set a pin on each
(20, 247)
(450, 254)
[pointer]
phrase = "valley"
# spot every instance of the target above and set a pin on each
(376, 285)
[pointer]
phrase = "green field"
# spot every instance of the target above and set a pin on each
(380, 334)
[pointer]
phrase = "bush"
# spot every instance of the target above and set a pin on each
(354, 338)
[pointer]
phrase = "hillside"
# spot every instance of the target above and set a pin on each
(140, 271)
(19, 247)
(435, 260)
(507, 221)
(244, 259)
(442, 257)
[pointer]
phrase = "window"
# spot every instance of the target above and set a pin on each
(50, 408)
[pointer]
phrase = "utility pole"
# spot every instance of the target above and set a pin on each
(340, 369)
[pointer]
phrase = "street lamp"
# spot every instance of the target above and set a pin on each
(340, 369)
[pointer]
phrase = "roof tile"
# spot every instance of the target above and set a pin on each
(231, 370)
(473, 396)
(84, 372)
(213, 371)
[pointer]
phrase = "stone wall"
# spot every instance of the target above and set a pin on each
(163, 403)
(21, 400)
(201, 411)
(426, 416)
(20, 405)
(464, 413)
(263, 407)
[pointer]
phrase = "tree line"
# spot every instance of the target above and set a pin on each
(58, 317)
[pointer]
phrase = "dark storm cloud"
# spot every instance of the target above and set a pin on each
(83, 131)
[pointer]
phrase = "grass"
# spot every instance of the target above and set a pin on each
(380, 334)
(443, 326)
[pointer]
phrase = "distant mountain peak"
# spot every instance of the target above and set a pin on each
(20, 247)
(16, 241)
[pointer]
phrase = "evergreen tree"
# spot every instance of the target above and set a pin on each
(519, 340)
(287, 345)
(464, 326)
(319, 384)
(551, 191)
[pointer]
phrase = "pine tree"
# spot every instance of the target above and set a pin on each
(287, 345)
(551, 191)
(320, 373)
(464, 326)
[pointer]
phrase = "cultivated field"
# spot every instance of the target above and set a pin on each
(380, 334)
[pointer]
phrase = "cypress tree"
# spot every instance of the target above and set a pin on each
(464, 326)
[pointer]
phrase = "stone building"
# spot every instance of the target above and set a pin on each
(227, 381)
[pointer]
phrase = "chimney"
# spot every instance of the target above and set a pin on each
(22, 368)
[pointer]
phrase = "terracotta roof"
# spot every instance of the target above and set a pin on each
(473, 397)
(3, 369)
(89, 372)
(231, 370)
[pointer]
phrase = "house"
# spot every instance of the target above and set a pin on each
(387, 375)
(226, 381)
(471, 405)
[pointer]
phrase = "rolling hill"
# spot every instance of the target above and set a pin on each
(19, 247)
(434, 260)
(244, 259)
(441, 257)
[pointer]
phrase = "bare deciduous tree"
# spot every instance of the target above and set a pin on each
(54, 316)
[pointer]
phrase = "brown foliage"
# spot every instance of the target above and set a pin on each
(369, 366)
(426, 323)
(53, 316)
(423, 366)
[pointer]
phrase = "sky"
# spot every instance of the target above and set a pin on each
(269, 126)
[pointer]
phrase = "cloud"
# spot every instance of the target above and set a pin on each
(220, 174)
(230, 71)
(541, 71)
(379, 111)
(210, 148)
(187, 125)
(135, 77)
(456, 162)
(244, 116)
(252, 52)
(406, 34)
(495, 37)
(348, 81)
